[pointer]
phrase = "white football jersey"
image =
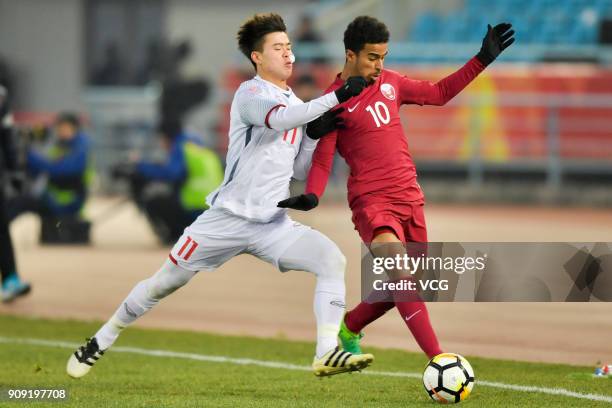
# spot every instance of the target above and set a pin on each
(266, 144)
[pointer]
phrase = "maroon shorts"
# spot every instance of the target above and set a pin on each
(407, 220)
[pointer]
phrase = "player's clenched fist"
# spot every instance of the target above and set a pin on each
(324, 124)
(303, 202)
(352, 87)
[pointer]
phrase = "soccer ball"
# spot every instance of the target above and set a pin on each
(448, 377)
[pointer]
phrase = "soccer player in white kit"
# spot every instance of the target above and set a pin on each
(268, 144)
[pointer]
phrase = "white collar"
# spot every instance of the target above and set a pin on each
(288, 91)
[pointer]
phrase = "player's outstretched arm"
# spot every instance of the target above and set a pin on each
(496, 40)
(288, 117)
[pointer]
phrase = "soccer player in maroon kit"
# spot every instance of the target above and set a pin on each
(383, 193)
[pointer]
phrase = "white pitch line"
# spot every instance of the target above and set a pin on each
(287, 366)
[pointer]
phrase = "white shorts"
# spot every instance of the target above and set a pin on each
(216, 236)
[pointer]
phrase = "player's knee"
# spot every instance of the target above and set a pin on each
(333, 265)
(167, 280)
(159, 290)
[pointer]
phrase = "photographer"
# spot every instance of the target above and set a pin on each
(190, 172)
(67, 166)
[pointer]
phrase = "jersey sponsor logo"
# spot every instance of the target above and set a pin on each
(388, 91)
(354, 107)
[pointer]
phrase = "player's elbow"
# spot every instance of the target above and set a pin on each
(436, 95)
(278, 119)
(440, 99)
(282, 126)
(444, 99)
(277, 125)
(437, 101)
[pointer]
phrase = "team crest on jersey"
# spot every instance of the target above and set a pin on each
(254, 89)
(388, 91)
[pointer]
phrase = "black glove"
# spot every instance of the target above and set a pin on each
(324, 124)
(352, 87)
(498, 38)
(303, 202)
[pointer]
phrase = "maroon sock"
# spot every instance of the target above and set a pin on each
(416, 317)
(365, 313)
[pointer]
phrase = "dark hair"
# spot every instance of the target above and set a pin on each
(365, 30)
(70, 118)
(170, 128)
(252, 32)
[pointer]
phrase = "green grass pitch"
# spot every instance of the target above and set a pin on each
(131, 379)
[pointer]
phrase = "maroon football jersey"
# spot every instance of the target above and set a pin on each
(373, 142)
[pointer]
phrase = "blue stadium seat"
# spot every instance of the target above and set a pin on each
(570, 22)
(426, 28)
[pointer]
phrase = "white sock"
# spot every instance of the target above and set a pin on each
(329, 310)
(136, 304)
(141, 299)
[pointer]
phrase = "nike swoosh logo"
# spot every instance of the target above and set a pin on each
(412, 315)
(354, 107)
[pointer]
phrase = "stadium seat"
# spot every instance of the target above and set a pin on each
(426, 28)
(555, 22)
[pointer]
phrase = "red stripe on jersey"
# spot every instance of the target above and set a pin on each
(269, 112)
(193, 247)
(172, 259)
(184, 246)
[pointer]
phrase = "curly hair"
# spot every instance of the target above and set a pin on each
(252, 32)
(365, 30)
